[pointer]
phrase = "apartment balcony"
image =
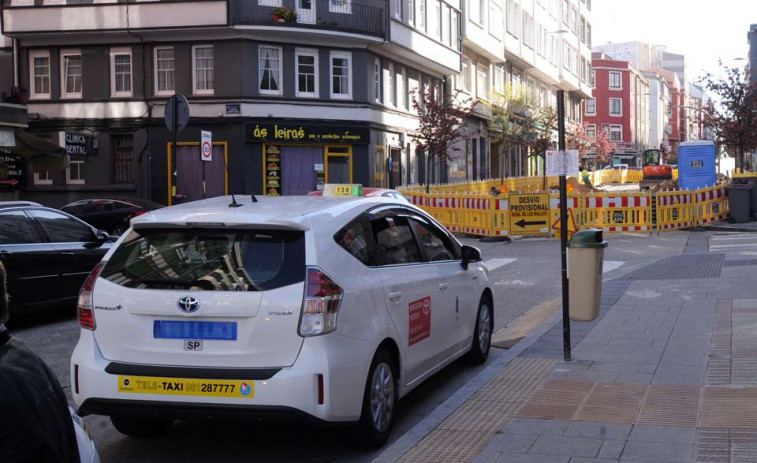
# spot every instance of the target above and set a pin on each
(342, 17)
(23, 18)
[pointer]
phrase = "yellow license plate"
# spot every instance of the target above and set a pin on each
(239, 389)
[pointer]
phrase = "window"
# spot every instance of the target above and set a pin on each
(410, 12)
(269, 2)
(398, 9)
(413, 83)
(496, 21)
(513, 18)
(356, 238)
(593, 79)
(591, 132)
(394, 241)
(165, 66)
(591, 107)
(477, 10)
(16, 228)
(269, 70)
(466, 71)
(616, 107)
(482, 81)
(434, 19)
(528, 31)
(566, 55)
(341, 75)
(390, 96)
(43, 178)
(120, 72)
(307, 73)
(71, 73)
(420, 22)
(445, 26)
(566, 12)
(615, 82)
(435, 244)
(499, 78)
(204, 81)
(123, 149)
(574, 19)
(616, 133)
(377, 80)
(62, 228)
(455, 26)
(75, 172)
(39, 69)
(582, 31)
(401, 93)
(588, 35)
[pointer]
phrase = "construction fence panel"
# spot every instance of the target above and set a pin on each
(674, 210)
(443, 207)
(712, 204)
(500, 216)
(627, 212)
(574, 210)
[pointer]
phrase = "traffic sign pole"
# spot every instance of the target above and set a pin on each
(174, 129)
(563, 229)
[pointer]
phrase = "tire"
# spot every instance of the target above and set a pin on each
(379, 402)
(482, 335)
(141, 427)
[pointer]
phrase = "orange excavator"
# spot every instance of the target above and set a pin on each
(656, 169)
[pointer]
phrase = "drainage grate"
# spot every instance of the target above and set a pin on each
(684, 267)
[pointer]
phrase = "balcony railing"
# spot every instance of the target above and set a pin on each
(338, 15)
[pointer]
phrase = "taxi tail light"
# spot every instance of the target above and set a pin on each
(86, 309)
(139, 212)
(320, 307)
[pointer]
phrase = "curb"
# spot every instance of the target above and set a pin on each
(411, 438)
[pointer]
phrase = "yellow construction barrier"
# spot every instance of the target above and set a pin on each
(711, 204)
(612, 212)
(674, 210)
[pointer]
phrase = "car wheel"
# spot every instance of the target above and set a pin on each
(379, 399)
(141, 427)
(482, 335)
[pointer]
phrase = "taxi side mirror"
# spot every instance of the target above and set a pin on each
(470, 254)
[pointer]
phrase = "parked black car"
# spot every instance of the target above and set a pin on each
(110, 214)
(47, 255)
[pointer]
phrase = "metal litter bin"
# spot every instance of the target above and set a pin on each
(752, 182)
(739, 202)
(585, 257)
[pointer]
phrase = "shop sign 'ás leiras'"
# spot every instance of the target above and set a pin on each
(299, 133)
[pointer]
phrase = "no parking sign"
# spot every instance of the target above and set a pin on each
(206, 146)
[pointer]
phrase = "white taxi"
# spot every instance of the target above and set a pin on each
(328, 308)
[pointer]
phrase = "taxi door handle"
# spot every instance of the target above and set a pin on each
(443, 286)
(394, 297)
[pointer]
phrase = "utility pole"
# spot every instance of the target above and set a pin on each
(563, 228)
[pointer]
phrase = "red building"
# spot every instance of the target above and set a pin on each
(620, 106)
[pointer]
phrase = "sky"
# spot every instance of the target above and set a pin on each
(702, 30)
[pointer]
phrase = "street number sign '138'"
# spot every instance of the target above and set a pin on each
(529, 213)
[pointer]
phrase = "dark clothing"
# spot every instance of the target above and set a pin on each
(35, 423)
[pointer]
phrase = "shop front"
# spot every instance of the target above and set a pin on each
(300, 158)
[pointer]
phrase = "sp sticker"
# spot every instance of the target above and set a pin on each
(419, 313)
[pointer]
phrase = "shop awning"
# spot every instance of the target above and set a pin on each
(43, 154)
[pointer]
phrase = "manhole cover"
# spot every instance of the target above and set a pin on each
(687, 266)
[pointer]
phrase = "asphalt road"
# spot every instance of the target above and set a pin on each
(527, 274)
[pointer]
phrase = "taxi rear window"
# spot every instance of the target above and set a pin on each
(211, 260)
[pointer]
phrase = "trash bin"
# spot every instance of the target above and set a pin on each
(752, 181)
(739, 202)
(585, 256)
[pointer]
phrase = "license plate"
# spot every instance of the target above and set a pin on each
(191, 329)
(239, 389)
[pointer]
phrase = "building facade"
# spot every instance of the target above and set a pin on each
(620, 107)
(324, 96)
(659, 99)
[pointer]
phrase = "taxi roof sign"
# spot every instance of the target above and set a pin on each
(343, 189)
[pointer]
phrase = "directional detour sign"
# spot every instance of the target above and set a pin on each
(529, 213)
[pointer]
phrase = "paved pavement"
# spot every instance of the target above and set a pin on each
(666, 373)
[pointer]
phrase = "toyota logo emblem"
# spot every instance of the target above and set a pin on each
(188, 304)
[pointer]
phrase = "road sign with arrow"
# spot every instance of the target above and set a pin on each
(529, 213)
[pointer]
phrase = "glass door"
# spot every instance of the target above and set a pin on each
(306, 11)
(338, 164)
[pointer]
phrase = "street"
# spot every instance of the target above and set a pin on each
(524, 274)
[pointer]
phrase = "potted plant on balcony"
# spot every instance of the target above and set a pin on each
(283, 14)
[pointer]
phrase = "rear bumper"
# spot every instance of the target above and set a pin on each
(183, 411)
(341, 361)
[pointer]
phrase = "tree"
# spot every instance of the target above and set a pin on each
(441, 117)
(578, 140)
(512, 118)
(734, 118)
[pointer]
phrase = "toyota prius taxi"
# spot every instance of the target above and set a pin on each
(326, 308)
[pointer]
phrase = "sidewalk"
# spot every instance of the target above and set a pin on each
(667, 373)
